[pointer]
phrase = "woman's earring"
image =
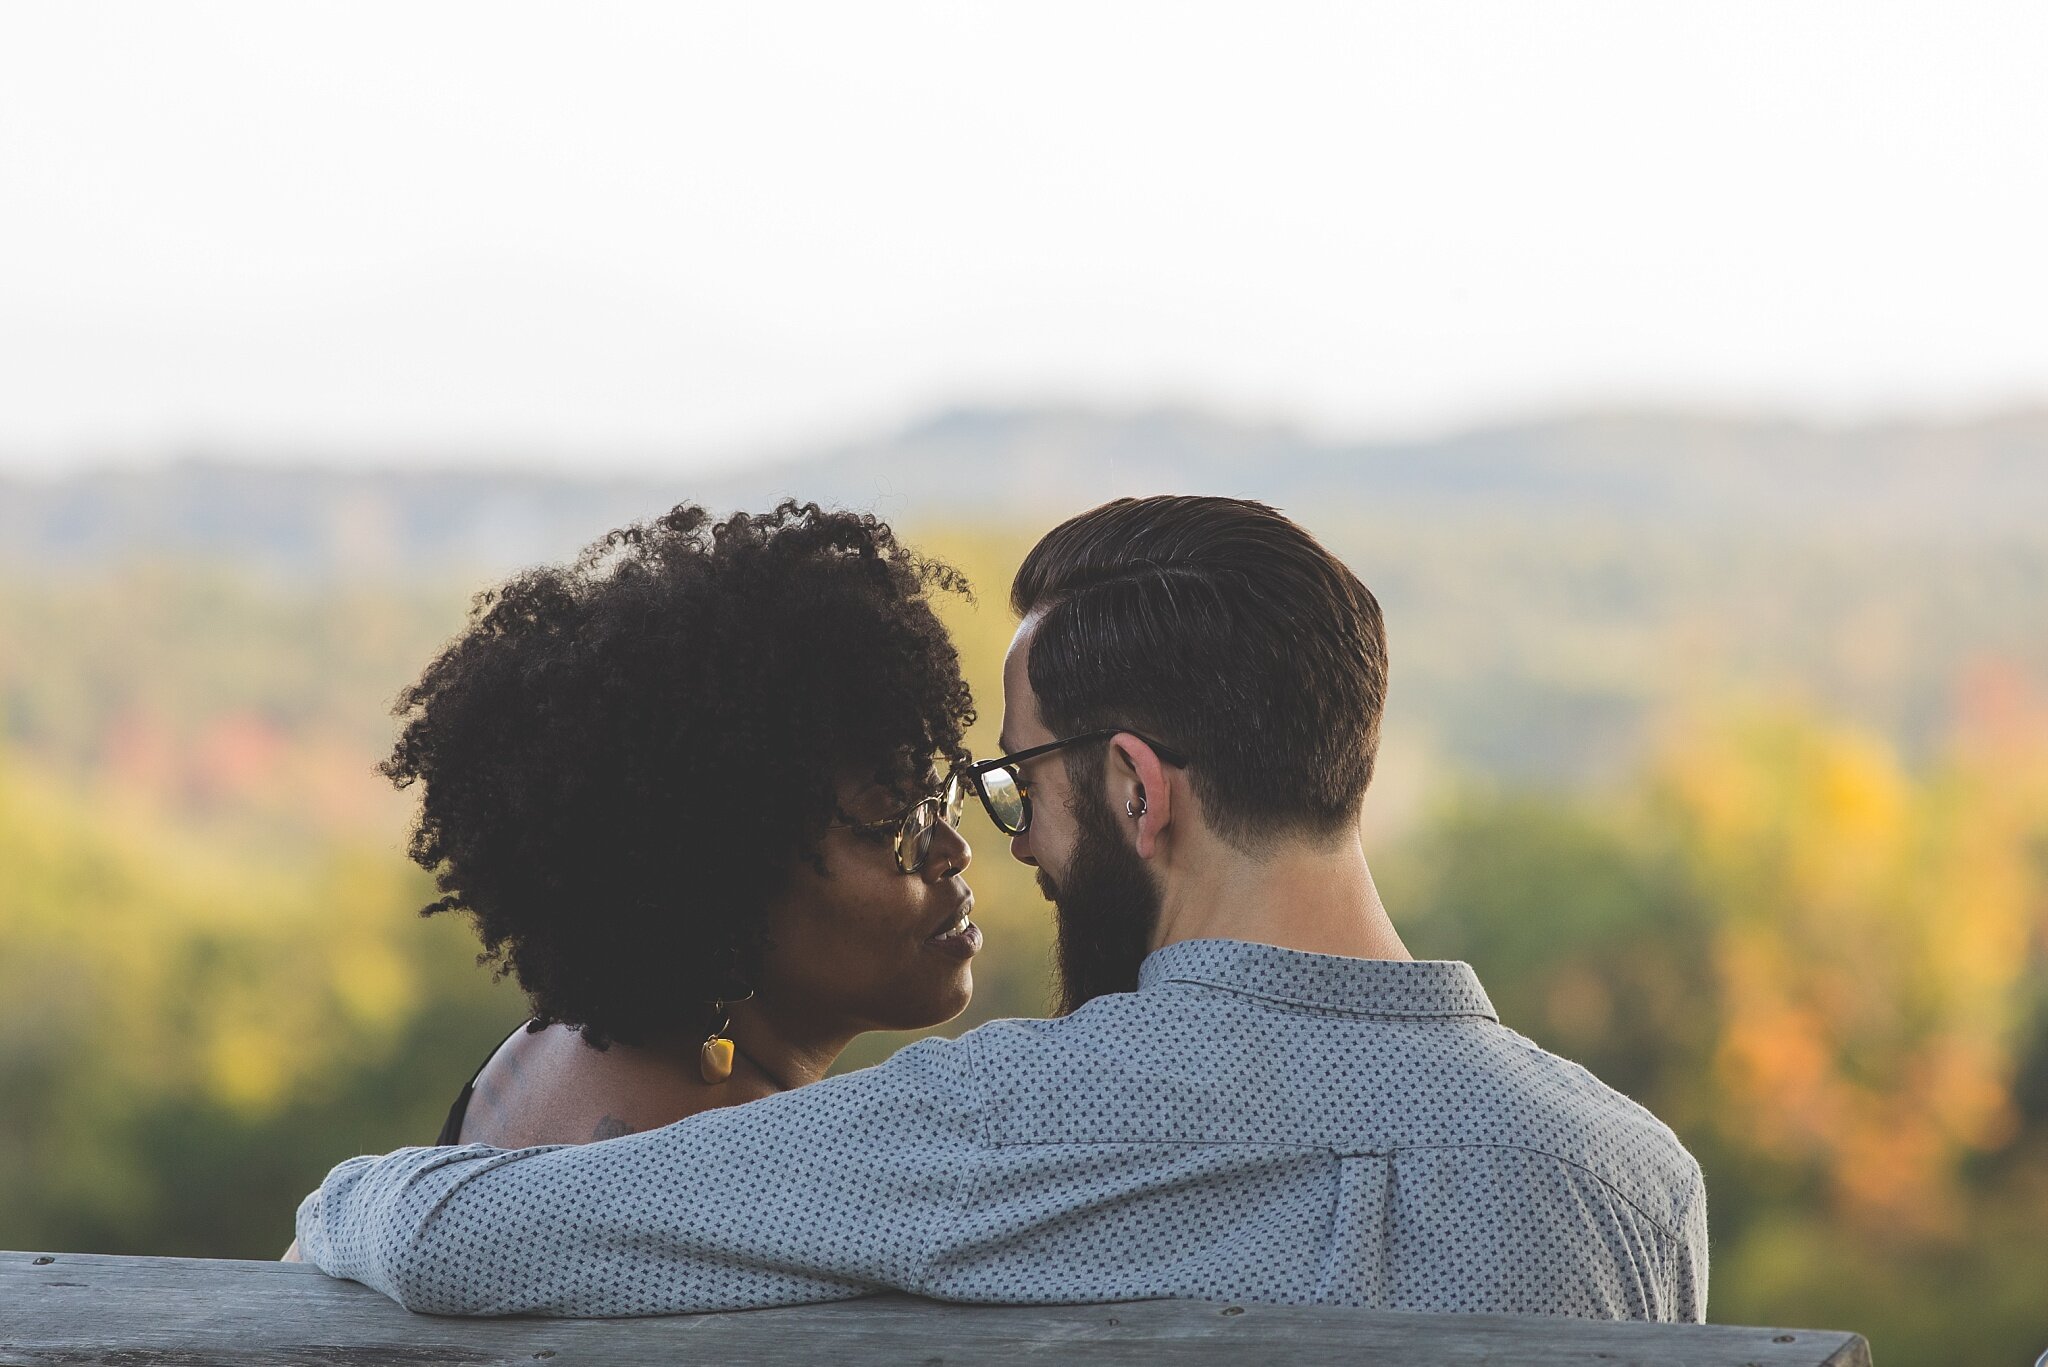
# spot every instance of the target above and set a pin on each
(714, 1056)
(1134, 812)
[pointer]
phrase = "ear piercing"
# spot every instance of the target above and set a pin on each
(1134, 812)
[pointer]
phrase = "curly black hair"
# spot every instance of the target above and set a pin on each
(623, 759)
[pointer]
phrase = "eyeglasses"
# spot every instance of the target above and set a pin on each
(917, 824)
(1006, 797)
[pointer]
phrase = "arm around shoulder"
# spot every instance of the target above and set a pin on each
(834, 1190)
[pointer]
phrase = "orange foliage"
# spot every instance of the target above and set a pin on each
(1872, 936)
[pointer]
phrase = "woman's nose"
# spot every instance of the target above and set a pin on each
(950, 853)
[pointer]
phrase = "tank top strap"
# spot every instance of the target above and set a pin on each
(451, 1128)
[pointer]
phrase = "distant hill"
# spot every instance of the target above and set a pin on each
(1965, 480)
(1556, 593)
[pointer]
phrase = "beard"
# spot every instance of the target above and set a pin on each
(1106, 908)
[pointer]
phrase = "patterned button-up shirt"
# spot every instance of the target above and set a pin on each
(1253, 1123)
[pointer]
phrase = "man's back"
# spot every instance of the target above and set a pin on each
(1259, 1123)
(1254, 1123)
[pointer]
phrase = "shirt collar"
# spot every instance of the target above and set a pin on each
(1329, 982)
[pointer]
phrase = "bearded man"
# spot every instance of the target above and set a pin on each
(1252, 1091)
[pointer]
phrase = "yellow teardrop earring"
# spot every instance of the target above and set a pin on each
(714, 1056)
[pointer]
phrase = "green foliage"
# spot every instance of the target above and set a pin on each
(192, 1037)
(1585, 940)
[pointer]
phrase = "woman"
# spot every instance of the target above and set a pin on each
(688, 789)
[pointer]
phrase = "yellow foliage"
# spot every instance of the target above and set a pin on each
(191, 971)
(1871, 939)
(248, 1064)
(372, 983)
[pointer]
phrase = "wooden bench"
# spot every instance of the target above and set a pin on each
(77, 1308)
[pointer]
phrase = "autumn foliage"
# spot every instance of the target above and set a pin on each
(1814, 948)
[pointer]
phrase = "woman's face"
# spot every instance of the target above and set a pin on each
(866, 946)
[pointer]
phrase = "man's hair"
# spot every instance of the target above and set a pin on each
(1221, 628)
(624, 759)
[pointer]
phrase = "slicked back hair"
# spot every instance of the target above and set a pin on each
(1220, 627)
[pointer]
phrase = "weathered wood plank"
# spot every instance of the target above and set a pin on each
(81, 1308)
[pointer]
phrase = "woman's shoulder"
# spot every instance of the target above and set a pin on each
(550, 1087)
(471, 1116)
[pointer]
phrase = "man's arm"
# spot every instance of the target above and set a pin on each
(1692, 1255)
(834, 1190)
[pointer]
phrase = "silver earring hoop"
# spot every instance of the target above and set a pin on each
(1134, 812)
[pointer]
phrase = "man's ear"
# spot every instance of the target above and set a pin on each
(1140, 792)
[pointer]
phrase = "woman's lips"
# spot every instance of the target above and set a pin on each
(958, 936)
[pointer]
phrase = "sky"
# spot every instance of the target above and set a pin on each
(644, 235)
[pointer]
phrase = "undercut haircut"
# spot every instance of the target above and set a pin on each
(1226, 630)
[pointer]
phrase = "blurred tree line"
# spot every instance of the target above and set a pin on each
(1814, 952)
(1824, 973)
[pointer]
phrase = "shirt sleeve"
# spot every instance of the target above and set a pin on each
(1692, 1255)
(833, 1190)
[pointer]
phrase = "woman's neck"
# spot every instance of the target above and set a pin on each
(787, 1053)
(771, 1053)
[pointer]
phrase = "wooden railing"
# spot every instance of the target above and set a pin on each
(80, 1308)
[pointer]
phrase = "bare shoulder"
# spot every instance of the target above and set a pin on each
(549, 1087)
(513, 1089)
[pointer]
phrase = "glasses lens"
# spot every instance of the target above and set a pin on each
(954, 801)
(1005, 799)
(914, 842)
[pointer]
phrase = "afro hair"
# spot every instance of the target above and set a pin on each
(623, 759)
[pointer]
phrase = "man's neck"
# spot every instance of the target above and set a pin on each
(1318, 898)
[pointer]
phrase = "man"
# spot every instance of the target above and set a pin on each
(1253, 1093)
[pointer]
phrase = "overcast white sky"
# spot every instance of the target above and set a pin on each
(657, 231)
